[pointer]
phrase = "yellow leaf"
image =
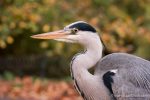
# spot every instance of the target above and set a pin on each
(12, 25)
(22, 24)
(3, 44)
(43, 44)
(10, 40)
(46, 28)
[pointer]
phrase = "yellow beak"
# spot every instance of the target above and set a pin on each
(51, 35)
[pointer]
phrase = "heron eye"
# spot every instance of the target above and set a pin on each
(74, 30)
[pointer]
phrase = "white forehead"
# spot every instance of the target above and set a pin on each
(74, 24)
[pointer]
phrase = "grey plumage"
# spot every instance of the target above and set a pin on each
(132, 80)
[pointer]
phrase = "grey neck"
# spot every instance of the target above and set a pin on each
(83, 61)
(82, 78)
(88, 58)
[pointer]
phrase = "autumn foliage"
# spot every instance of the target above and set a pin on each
(124, 26)
(28, 89)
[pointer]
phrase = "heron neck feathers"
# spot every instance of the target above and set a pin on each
(83, 79)
(88, 59)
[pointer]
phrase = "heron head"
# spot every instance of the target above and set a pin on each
(77, 32)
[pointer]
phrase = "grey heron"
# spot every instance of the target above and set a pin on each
(117, 76)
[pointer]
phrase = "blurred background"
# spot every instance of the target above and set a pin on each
(39, 69)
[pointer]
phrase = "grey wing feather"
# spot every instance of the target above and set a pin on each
(132, 80)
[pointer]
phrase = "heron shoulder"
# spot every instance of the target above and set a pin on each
(120, 60)
(123, 58)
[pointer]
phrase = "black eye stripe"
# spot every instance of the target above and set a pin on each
(83, 27)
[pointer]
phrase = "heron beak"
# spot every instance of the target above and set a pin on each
(52, 35)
